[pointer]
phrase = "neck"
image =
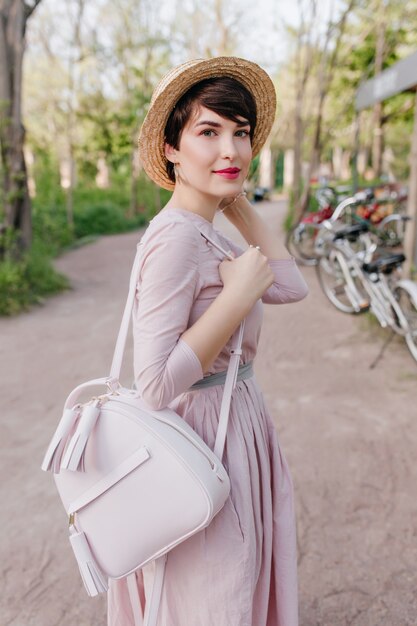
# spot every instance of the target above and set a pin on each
(195, 201)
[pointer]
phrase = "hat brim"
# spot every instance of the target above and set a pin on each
(175, 84)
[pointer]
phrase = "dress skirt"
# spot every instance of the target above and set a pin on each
(242, 569)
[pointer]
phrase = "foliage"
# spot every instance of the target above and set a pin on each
(356, 63)
(288, 222)
(253, 174)
(26, 281)
(100, 219)
(96, 211)
(290, 216)
(87, 89)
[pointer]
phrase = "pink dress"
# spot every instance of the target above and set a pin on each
(242, 569)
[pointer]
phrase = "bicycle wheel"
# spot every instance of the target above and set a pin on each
(300, 243)
(333, 284)
(409, 309)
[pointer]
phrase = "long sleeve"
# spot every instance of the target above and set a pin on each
(165, 365)
(289, 284)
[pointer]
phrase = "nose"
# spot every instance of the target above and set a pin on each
(228, 146)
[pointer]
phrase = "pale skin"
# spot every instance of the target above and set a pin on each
(204, 148)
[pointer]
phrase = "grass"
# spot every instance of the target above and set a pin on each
(28, 279)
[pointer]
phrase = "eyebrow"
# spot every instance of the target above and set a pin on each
(217, 124)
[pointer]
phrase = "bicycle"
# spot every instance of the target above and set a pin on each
(354, 281)
(300, 239)
(387, 227)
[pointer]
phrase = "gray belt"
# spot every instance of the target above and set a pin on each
(219, 378)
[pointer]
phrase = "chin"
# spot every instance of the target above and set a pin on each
(230, 187)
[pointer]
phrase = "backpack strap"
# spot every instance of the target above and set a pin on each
(235, 352)
(152, 606)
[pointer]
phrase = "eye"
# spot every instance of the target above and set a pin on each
(245, 133)
(208, 130)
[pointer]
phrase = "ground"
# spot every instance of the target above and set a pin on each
(348, 432)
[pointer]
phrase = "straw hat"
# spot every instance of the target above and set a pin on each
(174, 85)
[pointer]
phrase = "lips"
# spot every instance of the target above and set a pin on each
(229, 170)
(230, 173)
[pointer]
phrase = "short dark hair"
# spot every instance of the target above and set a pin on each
(224, 95)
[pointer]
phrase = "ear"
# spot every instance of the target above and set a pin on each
(170, 153)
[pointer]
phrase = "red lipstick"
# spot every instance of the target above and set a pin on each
(229, 172)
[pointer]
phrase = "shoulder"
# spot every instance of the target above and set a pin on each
(170, 245)
(170, 228)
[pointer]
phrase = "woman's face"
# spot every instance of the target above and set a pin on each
(209, 145)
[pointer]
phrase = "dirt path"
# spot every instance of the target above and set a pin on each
(348, 432)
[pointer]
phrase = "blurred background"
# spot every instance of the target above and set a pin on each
(76, 78)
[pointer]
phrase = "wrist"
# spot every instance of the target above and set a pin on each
(240, 212)
(236, 298)
(228, 203)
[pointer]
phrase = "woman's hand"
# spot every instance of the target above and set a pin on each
(248, 276)
(228, 202)
(225, 202)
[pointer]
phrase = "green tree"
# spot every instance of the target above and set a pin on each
(16, 207)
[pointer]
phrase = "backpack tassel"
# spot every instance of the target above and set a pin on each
(74, 456)
(53, 457)
(94, 580)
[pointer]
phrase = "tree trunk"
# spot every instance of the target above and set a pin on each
(134, 208)
(102, 176)
(337, 158)
(17, 204)
(411, 229)
(304, 61)
(265, 166)
(326, 73)
(298, 141)
(302, 206)
(378, 135)
(288, 169)
(30, 160)
(73, 83)
(377, 140)
(222, 29)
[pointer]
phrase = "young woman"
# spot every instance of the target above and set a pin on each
(206, 121)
